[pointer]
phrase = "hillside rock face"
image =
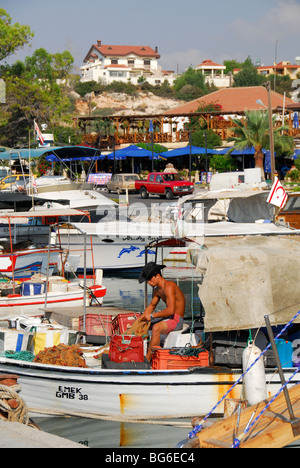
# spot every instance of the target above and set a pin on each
(124, 104)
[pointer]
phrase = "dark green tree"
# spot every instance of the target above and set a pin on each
(255, 132)
(190, 85)
(12, 36)
(248, 76)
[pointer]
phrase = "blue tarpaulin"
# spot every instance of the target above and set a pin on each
(237, 152)
(60, 151)
(133, 152)
(186, 151)
(296, 154)
(268, 162)
(54, 158)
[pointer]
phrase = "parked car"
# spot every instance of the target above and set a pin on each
(164, 184)
(13, 182)
(290, 214)
(120, 182)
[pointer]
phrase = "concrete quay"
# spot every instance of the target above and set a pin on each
(16, 435)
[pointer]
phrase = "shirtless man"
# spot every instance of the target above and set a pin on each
(174, 299)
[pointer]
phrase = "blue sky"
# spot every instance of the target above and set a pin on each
(186, 32)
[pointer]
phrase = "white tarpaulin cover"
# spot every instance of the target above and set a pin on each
(248, 278)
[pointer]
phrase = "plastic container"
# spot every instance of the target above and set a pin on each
(9, 288)
(163, 360)
(97, 325)
(126, 348)
(32, 289)
(58, 286)
(122, 322)
(285, 351)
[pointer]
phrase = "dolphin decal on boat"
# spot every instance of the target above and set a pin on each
(142, 252)
(127, 250)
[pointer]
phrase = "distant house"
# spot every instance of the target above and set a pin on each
(284, 68)
(133, 64)
(214, 73)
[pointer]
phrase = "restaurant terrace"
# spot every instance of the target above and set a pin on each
(216, 110)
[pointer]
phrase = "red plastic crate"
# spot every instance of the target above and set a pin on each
(96, 324)
(126, 348)
(163, 360)
(122, 322)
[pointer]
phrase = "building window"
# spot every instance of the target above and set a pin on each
(147, 63)
(117, 74)
(114, 61)
(131, 63)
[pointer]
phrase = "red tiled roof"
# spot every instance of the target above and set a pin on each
(233, 101)
(281, 65)
(115, 65)
(123, 50)
(209, 63)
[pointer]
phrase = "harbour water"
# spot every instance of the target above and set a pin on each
(124, 290)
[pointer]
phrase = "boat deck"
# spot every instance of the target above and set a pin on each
(69, 317)
(272, 430)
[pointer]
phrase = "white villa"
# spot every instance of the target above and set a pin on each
(214, 73)
(107, 63)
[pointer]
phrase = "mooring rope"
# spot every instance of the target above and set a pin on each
(141, 419)
(17, 412)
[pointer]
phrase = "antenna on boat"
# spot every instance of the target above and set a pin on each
(48, 271)
(30, 174)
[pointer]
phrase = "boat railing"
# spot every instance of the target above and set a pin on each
(199, 427)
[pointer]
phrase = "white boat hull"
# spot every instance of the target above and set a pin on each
(34, 304)
(116, 254)
(24, 263)
(119, 393)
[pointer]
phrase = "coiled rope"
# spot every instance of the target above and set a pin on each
(16, 412)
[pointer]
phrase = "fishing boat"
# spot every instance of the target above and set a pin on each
(21, 293)
(203, 215)
(20, 259)
(138, 393)
(121, 245)
(30, 297)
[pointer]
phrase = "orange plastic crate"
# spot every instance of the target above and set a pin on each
(122, 322)
(163, 360)
(96, 324)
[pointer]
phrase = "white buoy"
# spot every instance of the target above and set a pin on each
(255, 385)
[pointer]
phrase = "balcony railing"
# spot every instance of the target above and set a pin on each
(220, 126)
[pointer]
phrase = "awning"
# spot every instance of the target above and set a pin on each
(24, 216)
(239, 152)
(60, 151)
(187, 150)
(54, 158)
(132, 151)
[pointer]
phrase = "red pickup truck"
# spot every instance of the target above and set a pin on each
(164, 184)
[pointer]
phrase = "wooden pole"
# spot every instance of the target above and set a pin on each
(268, 85)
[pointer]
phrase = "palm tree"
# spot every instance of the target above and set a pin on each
(254, 132)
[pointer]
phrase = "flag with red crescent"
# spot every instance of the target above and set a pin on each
(278, 195)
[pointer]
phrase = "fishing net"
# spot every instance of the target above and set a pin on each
(139, 328)
(20, 356)
(62, 355)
